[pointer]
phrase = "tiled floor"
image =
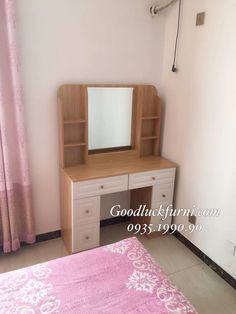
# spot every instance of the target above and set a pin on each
(203, 287)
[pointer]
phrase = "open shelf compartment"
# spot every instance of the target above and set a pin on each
(150, 128)
(152, 108)
(74, 134)
(149, 147)
(74, 155)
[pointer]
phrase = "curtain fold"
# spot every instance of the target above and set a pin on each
(16, 217)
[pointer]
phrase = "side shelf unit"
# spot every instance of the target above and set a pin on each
(73, 123)
(150, 126)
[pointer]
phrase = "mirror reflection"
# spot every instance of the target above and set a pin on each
(109, 117)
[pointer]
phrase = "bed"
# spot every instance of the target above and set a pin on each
(118, 278)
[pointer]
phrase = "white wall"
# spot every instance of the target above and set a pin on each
(200, 121)
(99, 41)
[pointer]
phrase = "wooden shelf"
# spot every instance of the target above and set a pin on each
(74, 121)
(150, 127)
(151, 118)
(150, 146)
(75, 144)
(154, 137)
(73, 125)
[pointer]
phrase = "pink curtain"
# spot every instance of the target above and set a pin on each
(16, 222)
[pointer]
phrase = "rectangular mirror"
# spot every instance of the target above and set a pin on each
(109, 117)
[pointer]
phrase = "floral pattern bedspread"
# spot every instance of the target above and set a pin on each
(120, 278)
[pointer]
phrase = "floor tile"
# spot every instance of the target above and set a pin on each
(113, 233)
(33, 254)
(168, 252)
(208, 292)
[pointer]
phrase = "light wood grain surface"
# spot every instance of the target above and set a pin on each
(110, 168)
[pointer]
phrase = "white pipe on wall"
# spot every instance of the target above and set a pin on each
(162, 5)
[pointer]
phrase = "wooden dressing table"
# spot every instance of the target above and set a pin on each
(86, 176)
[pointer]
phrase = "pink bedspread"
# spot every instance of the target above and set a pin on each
(117, 279)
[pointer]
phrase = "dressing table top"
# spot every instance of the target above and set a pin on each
(106, 168)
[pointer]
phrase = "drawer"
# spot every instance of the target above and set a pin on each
(100, 186)
(85, 237)
(162, 194)
(165, 193)
(164, 217)
(149, 178)
(86, 210)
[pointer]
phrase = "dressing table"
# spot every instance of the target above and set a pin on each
(109, 142)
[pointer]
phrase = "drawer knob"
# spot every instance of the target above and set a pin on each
(87, 211)
(102, 186)
(87, 237)
(163, 195)
(153, 178)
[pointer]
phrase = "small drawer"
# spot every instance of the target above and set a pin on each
(85, 237)
(100, 186)
(164, 217)
(158, 223)
(149, 178)
(165, 193)
(86, 210)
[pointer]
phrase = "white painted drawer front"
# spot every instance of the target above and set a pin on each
(86, 210)
(162, 219)
(85, 237)
(100, 186)
(149, 178)
(165, 193)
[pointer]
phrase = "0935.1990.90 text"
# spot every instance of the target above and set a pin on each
(163, 228)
